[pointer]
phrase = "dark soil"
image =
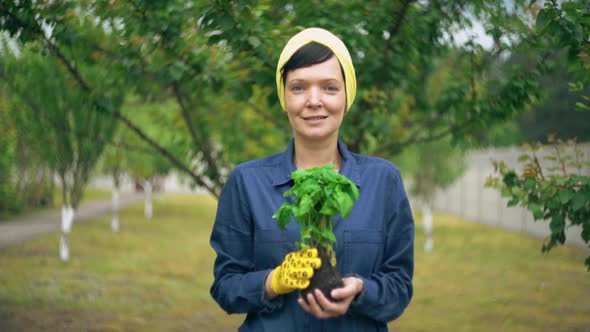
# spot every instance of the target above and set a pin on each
(325, 278)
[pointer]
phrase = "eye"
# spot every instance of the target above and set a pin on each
(331, 89)
(296, 88)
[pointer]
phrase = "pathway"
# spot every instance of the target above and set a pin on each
(32, 225)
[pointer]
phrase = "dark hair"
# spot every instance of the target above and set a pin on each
(309, 54)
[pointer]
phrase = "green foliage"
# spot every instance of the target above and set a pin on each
(58, 119)
(7, 159)
(557, 112)
(216, 60)
(398, 55)
(568, 25)
(319, 194)
(25, 183)
(158, 118)
(558, 191)
(432, 166)
(561, 28)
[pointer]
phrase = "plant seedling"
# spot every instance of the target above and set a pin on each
(319, 194)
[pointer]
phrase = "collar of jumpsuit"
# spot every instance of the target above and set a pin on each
(282, 173)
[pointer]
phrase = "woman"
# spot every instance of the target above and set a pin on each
(316, 85)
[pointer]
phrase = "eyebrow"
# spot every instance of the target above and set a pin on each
(297, 80)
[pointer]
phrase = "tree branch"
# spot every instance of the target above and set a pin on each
(396, 26)
(36, 30)
(203, 143)
(386, 149)
(265, 115)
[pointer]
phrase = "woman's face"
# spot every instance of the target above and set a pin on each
(315, 98)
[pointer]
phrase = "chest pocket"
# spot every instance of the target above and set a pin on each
(362, 251)
(268, 248)
(272, 245)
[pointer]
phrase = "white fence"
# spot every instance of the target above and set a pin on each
(469, 199)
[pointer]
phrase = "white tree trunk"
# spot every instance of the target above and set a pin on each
(115, 222)
(428, 227)
(64, 248)
(148, 210)
(67, 219)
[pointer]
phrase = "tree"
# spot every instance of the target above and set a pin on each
(59, 118)
(145, 168)
(7, 158)
(431, 166)
(216, 60)
(25, 183)
(557, 111)
(560, 191)
(553, 187)
(113, 162)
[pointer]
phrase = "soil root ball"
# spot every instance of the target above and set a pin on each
(326, 278)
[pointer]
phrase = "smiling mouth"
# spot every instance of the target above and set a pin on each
(312, 118)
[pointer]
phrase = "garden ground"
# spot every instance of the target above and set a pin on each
(154, 275)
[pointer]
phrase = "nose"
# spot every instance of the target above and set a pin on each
(314, 97)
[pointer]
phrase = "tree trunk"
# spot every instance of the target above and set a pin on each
(115, 203)
(67, 219)
(148, 209)
(428, 226)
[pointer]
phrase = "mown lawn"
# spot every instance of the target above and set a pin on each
(155, 276)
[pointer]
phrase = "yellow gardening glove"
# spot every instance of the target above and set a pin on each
(295, 271)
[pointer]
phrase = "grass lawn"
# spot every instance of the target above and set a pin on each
(155, 276)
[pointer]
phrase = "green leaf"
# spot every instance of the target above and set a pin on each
(226, 23)
(178, 69)
(510, 178)
(306, 235)
(530, 184)
(580, 200)
(283, 215)
(557, 224)
(543, 19)
(586, 232)
(329, 209)
(513, 202)
(305, 204)
(328, 235)
(319, 194)
(344, 202)
(254, 41)
(216, 38)
(565, 195)
(537, 211)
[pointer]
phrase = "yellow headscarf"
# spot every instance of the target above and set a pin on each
(332, 42)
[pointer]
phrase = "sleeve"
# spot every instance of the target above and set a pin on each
(388, 292)
(237, 287)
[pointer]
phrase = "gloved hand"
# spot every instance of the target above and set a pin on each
(295, 271)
